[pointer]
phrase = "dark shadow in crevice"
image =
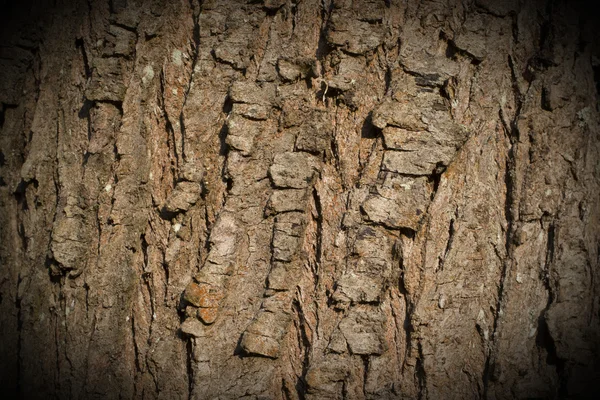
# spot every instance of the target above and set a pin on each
(224, 147)
(368, 130)
(84, 111)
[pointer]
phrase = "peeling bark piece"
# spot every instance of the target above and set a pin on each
(251, 93)
(254, 344)
(358, 288)
(363, 330)
(241, 133)
(374, 265)
(193, 294)
(291, 223)
(288, 200)
(353, 35)
(119, 42)
(107, 80)
(400, 202)
(69, 237)
(203, 295)
(193, 327)
(350, 71)
(313, 138)
(278, 278)
(420, 53)
(284, 246)
(472, 37)
(185, 195)
(229, 53)
(208, 315)
(251, 111)
(271, 324)
(287, 233)
(324, 377)
(293, 70)
(371, 242)
(293, 115)
(206, 276)
(192, 173)
(421, 152)
(337, 343)
(402, 139)
(233, 49)
(341, 83)
(406, 189)
(402, 115)
(293, 170)
(219, 266)
(356, 197)
(223, 237)
(264, 334)
(411, 162)
(314, 130)
(208, 290)
(387, 212)
(278, 302)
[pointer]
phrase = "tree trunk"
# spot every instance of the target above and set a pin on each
(299, 199)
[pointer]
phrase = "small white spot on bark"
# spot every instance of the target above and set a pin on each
(148, 74)
(442, 301)
(176, 227)
(481, 316)
(519, 278)
(176, 57)
(108, 187)
(339, 240)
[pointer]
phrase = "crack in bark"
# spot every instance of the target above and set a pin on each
(451, 232)
(510, 210)
(319, 239)
(196, 51)
(304, 344)
(421, 374)
(171, 142)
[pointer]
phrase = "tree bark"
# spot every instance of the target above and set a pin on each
(299, 199)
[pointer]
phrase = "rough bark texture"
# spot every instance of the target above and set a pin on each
(299, 199)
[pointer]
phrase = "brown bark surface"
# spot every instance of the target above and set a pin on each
(299, 199)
